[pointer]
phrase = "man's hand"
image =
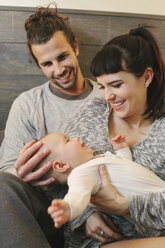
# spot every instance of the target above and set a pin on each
(29, 157)
(100, 227)
(108, 199)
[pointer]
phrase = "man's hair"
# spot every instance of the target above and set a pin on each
(41, 26)
(134, 52)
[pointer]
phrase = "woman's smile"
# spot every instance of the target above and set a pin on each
(117, 105)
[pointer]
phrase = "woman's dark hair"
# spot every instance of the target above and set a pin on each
(135, 52)
(41, 26)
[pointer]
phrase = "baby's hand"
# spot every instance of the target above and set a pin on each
(59, 212)
(119, 142)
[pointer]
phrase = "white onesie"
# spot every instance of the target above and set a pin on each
(128, 177)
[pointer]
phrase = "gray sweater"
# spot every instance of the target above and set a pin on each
(90, 123)
(36, 113)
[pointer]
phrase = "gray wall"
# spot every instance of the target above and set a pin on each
(93, 29)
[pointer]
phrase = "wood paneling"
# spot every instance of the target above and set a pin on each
(18, 72)
(11, 87)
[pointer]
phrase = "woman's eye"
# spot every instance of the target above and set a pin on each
(116, 85)
(101, 87)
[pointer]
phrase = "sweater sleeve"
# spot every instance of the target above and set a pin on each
(18, 131)
(124, 153)
(148, 213)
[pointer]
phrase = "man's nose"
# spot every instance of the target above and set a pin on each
(58, 69)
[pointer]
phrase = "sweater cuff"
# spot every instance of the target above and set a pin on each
(76, 223)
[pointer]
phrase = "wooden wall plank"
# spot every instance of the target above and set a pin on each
(12, 26)
(15, 59)
(10, 89)
(90, 29)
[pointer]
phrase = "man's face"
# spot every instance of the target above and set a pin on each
(58, 61)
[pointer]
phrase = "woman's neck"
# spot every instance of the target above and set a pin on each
(134, 129)
(134, 121)
(138, 122)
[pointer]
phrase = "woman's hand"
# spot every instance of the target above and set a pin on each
(108, 199)
(100, 227)
(29, 157)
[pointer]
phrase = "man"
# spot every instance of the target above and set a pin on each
(35, 113)
(44, 109)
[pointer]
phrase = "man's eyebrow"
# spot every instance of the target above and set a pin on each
(62, 54)
(49, 61)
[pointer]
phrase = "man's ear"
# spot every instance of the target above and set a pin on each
(76, 47)
(60, 167)
(148, 74)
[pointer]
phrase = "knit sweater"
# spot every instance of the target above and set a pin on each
(90, 123)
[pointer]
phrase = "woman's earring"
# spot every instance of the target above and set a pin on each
(147, 83)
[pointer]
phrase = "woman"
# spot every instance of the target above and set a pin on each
(131, 74)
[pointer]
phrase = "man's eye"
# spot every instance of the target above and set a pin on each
(67, 140)
(47, 64)
(62, 57)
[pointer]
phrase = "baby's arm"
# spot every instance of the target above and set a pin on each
(59, 212)
(119, 142)
(121, 147)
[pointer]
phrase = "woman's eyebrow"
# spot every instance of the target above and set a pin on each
(112, 82)
(115, 81)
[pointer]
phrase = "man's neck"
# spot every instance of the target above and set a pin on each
(87, 88)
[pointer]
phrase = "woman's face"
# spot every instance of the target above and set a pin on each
(126, 93)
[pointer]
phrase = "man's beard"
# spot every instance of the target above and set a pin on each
(70, 86)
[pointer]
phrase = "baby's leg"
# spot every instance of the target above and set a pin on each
(119, 142)
(59, 212)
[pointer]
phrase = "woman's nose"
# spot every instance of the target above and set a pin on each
(109, 96)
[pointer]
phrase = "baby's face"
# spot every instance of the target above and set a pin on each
(70, 151)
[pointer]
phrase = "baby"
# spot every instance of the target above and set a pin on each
(75, 164)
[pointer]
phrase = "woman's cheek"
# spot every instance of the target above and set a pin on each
(103, 93)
